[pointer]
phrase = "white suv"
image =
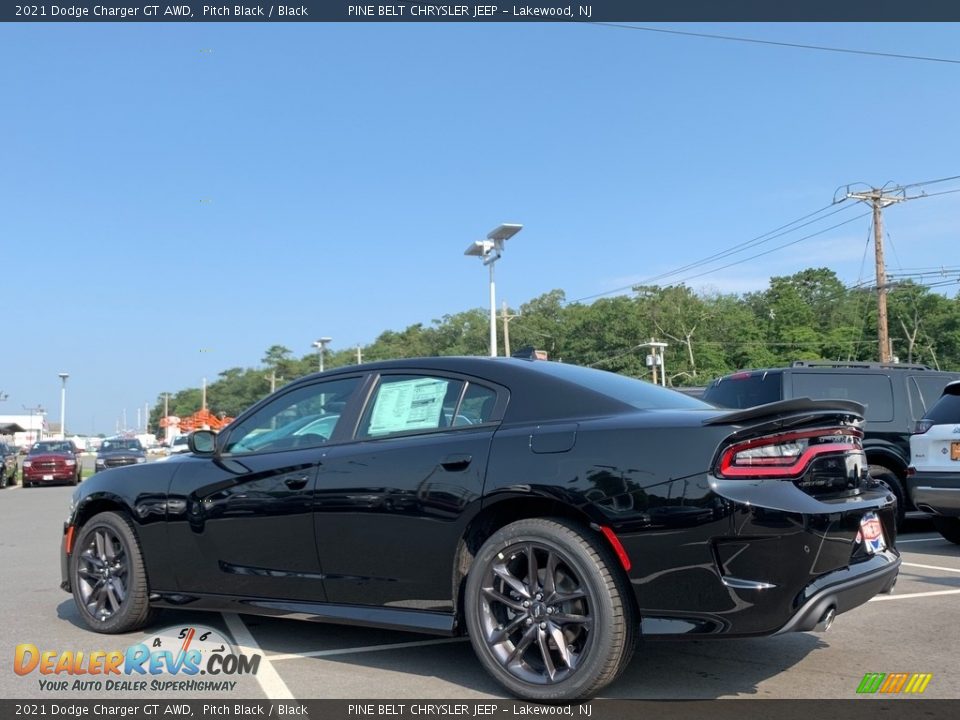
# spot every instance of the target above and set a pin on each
(934, 473)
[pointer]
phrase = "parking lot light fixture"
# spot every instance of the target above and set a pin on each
(63, 404)
(489, 252)
(321, 345)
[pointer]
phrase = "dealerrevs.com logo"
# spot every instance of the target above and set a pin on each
(184, 652)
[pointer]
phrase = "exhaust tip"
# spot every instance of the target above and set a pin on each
(826, 620)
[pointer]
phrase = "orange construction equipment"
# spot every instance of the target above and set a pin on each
(200, 420)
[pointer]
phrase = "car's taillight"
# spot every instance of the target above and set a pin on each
(785, 455)
(922, 426)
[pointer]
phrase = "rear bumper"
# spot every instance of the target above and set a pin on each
(844, 590)
(936, 492)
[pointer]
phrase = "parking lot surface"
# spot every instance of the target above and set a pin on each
(914, 631)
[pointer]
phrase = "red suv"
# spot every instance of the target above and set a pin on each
(51, 461)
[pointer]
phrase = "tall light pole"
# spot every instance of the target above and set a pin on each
(489, 252)
(321, 345)
(63, 404)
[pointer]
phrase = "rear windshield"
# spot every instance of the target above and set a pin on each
(745, 390)
(945, 411)
(638, 393)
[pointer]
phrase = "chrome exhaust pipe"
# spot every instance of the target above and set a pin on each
(826, 621)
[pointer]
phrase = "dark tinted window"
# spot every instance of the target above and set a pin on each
(745, 390)
(638, 393)
(946, 411)
(930, 387)
(874, 391)
(476, 406)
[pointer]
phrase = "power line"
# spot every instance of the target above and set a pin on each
(732, 250)
(799, 46)
(771, 250)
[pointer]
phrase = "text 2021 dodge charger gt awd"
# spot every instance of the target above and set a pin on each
(554, 513)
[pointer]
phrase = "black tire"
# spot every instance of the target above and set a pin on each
(889, 478)
(108, 577)
(949, 527)
(513, 623)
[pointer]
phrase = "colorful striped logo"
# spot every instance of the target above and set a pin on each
(893, 683)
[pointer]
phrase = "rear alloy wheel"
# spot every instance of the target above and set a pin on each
(949, 527)
(548, 612)
(108, 577)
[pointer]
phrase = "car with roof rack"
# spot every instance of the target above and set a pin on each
(896, 396)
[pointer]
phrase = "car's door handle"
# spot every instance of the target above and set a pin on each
(296, 483)
(456, 463)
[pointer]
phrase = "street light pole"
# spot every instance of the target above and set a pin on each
(63, 404)
(489, 252)
(321, 344)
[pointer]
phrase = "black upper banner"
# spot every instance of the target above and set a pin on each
(542, 11)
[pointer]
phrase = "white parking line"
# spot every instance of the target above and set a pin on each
(878, 598)
(366, 648)
(932, 567)
(929, 539)
(270, 681)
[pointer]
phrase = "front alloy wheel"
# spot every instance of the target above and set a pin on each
(547, 612)
(107, 575)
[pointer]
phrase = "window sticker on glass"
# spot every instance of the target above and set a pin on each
(408, 405)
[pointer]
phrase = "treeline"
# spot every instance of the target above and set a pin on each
(809, 315)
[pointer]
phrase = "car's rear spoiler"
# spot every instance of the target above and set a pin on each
(786, 407)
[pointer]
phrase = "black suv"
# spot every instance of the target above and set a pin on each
(119, 451)
(895, 395)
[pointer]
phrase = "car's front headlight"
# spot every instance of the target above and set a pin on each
(141, 460)
(100, 462)
(70, 462)
(26, 463)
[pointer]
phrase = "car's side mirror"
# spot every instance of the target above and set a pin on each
(202, 442)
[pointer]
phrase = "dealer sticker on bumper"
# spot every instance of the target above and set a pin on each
(871, 533)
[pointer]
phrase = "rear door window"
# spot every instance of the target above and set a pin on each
(874, 391)
(929, 388)
(745, 390)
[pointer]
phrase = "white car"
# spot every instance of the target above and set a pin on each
(179, 445)
(934, 473)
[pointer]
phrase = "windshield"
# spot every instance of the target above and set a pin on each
(51, 447)
(121, 444)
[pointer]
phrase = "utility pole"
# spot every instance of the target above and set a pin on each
(506, 317)
(359, 355)
(878, 199)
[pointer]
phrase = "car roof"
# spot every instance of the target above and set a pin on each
(540, 389)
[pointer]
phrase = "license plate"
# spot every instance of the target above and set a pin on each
(47, 477)
(955, 451)
(871, 531)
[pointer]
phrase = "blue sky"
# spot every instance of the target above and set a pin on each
(167, 189)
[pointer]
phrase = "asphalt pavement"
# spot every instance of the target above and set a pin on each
(914, 630)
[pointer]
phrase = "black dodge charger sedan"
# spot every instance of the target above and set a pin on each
(554, 513)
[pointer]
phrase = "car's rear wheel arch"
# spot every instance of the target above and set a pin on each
(503, 512)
